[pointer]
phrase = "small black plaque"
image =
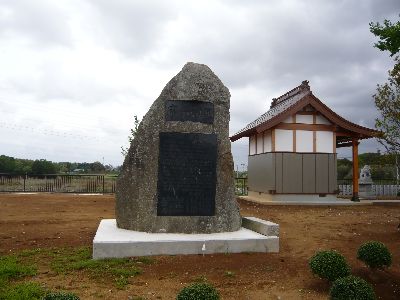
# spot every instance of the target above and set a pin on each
(187, 174)
(189, 110)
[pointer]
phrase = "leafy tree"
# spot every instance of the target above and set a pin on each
(7, 164)
(389, 35)
(387, 98)
(344, 169)
(97, 167)
(131, 137)
(387, 101)
(42, 166)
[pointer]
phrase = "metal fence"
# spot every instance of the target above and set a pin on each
(55, 183)
(241, 188)
(80, 184)
(105, 184)
(376, 189)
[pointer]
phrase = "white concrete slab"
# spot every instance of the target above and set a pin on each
(261, 226)
(112, 242)
(337, 202)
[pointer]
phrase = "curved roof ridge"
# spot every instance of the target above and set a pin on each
(303, 86)
(276, 110)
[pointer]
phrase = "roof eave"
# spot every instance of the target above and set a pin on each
(364, 132)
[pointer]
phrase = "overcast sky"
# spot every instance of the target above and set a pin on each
(74, 73)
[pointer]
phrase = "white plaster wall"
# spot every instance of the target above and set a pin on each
(288, 120)
(325, 141)
(252, 141)
(267, 141)
(283, 140)
(260, 143)
(322, 120)
(304, 119)
(304, 141)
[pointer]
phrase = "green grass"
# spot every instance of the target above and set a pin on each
(23, 291)
(121, 282)
(10, 268)
(29, 252)
(65, 261)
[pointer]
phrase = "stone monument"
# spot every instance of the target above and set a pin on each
(178, 173)
(365, 183)
(175, 194)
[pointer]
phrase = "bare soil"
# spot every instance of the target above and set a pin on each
(64, 220)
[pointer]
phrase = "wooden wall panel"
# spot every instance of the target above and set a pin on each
(332, 173)
(278, 172)
(261, 172)
(292, 173)
(308, 173)
(321, 174)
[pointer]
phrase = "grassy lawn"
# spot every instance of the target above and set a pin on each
(20, 273)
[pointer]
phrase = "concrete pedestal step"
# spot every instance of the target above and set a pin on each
(113, 242)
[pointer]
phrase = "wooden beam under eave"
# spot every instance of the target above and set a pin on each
(355, 169)
(273, 140)
(342, 145)
(294, 133)
(346, 134)
(307, 127)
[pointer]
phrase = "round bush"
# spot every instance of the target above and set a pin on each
(374, 255)
(330, 265)
(60, 296)
(198, 291)
(351, 288)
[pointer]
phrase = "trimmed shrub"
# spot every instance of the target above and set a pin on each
(329, 264)
(198, 291)
(374, 255)
(60, 296)
(351, 288)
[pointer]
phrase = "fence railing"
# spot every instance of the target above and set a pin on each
(83, 184)
(375, 181)
(376, 189)
(241, 186)
(104, 184)
(80, 184)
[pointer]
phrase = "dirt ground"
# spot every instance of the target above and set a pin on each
(62, 220)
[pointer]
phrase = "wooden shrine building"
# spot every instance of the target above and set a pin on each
(292, 148)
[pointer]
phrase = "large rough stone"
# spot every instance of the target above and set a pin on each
(137, 196)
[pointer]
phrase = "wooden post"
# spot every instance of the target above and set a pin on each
(355, 170)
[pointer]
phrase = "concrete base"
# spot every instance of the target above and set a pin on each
(113, 242)
(329, 200)
(291, 197)
(365, 191)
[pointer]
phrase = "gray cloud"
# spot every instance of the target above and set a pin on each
(132, 27)
(41, 23)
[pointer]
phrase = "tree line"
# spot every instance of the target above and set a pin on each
(383, 166)
(19, 166)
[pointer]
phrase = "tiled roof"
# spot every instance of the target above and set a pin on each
(279, 105)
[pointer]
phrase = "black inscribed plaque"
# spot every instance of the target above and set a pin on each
(189, 110)
(187, 174)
